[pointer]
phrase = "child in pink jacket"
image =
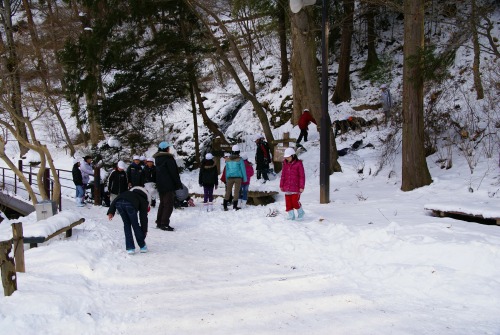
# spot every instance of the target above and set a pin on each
(292, 182)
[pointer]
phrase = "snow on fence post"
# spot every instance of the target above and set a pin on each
(7, 268)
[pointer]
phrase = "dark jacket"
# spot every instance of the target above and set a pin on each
(208, 173)
(149, 174)
(117, 182)
(135, 175)
(140, 202)
(77, 175)
(262, 155)
(167, 173)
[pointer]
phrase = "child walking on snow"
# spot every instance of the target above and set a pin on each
(292, 182)
(245, 185)
(208, 180)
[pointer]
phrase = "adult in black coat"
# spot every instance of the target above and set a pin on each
(78, 180)
(262, 157)
(129, 204)
(167, 181)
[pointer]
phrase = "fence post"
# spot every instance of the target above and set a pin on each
(97, 186)
(60, 192)
(46, 182)
(18, 238)
(7, 268)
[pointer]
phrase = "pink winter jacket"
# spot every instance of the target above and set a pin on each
(293, 177)
(249, 169)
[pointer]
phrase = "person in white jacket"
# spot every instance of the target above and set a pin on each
(87, 170)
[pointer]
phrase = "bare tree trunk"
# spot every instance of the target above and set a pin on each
(12, 66)
(415, 172)
(43, 71)
(477, 52)
(195, 126)
(343, 88)
(306, 89)
(285, 73)
(372, 59)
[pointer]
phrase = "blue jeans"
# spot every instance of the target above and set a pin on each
(80, 191)
(244, 191)
(130, 221)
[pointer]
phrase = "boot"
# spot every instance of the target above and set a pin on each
(79, 203)
(235, 205)
(205, 206)
(243, 203)
(291, 215)
(225, 204)
(210, 207)
(300, 213)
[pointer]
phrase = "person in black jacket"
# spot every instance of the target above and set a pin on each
(78, 180)
(150, 179)
(128, 204)
(209, 180)
(167, 181)
(135, 174)
(262, 157)
(117, 181)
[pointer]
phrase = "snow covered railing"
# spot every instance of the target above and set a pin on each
(43, 230)
(484, 210)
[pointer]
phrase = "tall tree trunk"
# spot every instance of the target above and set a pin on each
(285, 73)
(306, 89)
(371, 35)
(13, 67)
(44, 76)
(477, 52)
(415, 172)
(343, 88)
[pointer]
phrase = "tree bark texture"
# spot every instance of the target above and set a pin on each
(415, 172)
(477, 52)
(343, 87)
(285, 72)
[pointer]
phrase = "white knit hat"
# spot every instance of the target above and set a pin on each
(136, 157)
(142, 158)
(121, 165)
(235, 148)
(150, 159)
(289, 152)
(209, 156)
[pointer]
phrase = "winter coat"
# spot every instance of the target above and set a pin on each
(167, 173)
(249, 171)
(182, 193)
(208, 173)
(305, 119)
(77, 175)
(235, 168)
(386, 100)
(293, 177)
(262, 155)
(149, 174)
(135, 175)
(139, 200)
(87, 171)
(117, 182)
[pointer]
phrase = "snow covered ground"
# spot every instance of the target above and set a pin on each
(373, 261)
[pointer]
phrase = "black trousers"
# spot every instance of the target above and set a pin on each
(165, 208)
(303, 134)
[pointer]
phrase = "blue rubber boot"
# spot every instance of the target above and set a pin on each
(300, 213)
(291, 215)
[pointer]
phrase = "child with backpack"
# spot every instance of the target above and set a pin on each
(208, 180)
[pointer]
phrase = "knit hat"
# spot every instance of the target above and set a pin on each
(289, 152)
(150, 159)
(383, 86)
(163, 145)
(305, 110)
(136, 157)
(142, 189)
(142, 158)
(209, 156)
(235, 148)
(121, 165)
(244, 157)
(227, 154)
(258, 137)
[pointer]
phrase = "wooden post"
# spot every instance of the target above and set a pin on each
(17, 233)
(7, 268)
(216, 148)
